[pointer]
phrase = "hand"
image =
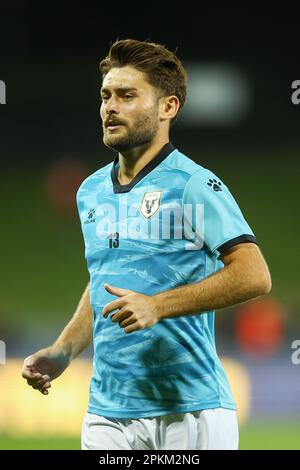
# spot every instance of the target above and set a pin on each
(41, 368)
(135, 311)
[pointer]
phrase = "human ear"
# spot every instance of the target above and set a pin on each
(169, 106)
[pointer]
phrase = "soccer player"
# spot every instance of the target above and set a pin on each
(166, 245)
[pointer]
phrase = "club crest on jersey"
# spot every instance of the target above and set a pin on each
(150, 203)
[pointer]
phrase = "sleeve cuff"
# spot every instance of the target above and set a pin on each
(235, 241)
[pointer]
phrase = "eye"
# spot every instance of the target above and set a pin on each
(128, 97)
(104, 98)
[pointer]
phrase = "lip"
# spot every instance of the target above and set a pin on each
(113, 127)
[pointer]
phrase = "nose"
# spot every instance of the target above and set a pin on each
(111, 106)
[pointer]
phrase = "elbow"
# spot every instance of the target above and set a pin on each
(263, 283)
(266, 285)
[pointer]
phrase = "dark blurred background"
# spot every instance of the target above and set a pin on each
(239, 121)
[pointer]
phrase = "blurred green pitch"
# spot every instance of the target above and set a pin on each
(260, 436)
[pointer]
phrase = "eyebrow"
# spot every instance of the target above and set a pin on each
(122, 89)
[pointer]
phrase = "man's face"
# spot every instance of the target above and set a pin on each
(129, 109)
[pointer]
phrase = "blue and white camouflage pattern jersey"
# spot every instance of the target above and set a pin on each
(166, 228)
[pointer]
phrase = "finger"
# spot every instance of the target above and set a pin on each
(45, 392)
(44, 379)
(117, 290)
(46, 386)
(43, 386)
(114, 305)
(127, 322)
(121, 315)
(132, 328)
(35, 382)
(37, 386)
(28, 374)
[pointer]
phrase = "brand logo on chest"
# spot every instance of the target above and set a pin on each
(90, 218)
(150, 203)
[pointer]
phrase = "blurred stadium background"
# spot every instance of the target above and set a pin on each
(239, 121)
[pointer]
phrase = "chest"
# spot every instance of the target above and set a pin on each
(145, 218)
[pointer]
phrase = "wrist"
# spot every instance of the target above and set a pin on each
(158, 307)
(63, 350)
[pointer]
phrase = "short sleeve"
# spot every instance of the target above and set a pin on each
(224, 224)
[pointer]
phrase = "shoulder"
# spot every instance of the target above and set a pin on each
(96, 179)
(194, 173)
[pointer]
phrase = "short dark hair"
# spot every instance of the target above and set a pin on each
(162, 67)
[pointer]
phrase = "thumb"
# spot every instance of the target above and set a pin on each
(118, 291)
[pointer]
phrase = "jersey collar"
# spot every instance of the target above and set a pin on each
(125, 188)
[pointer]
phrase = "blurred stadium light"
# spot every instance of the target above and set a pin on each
(260, 327)
(25, 411)
(62, 182)
(218, 95)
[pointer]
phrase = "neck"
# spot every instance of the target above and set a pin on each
(132, 162)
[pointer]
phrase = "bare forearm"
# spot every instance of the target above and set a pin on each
(231, 285)
(78, 333)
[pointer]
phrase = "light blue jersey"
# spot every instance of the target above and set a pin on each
(166, 228)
